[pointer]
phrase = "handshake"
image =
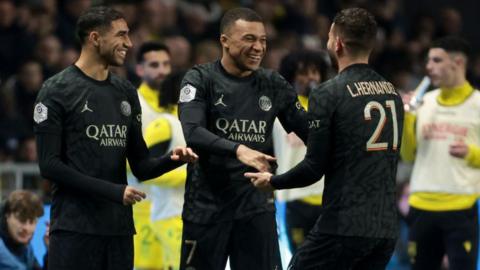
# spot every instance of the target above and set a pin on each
(265, 164)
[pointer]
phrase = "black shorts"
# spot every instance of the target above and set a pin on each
(334, 252)
(435, 234)
(251, 243)
(300, 217)
(72, 251)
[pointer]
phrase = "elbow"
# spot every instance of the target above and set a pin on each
(140, 175)
(46, 170)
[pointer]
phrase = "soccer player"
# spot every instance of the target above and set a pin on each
(304, 69)
(153, 66)
(355, 123)
(443, 137)
(227, 109)
(87, 123)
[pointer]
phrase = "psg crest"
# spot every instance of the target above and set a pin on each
(125, 108)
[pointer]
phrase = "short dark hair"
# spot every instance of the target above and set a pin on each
(96, 18)
(452, 44)
(24, 204)
(232, 15)
(294, 61)
(150, 46)
(358, 28)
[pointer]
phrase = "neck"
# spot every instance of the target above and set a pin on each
(229, 65)
(457, 82)
(92, 65)
(346, 61)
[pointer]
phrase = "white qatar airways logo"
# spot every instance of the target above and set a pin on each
(242, 130)
(108, 135)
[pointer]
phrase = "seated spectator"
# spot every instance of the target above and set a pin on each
(18, 219)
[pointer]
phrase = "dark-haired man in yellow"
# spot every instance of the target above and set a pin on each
(443, 137)
(157, 245)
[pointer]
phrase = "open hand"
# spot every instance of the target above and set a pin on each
(132, 195)
(255, 159)
(184, 154)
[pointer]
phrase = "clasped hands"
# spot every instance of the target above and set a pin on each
(259, 161)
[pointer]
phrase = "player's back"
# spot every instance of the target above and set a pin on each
(366, 118)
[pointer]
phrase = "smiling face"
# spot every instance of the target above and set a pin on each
(20, 231)
(244, 46)
(113, 43)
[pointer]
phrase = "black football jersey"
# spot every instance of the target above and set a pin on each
(85, 131)
(355, 127)
(218, 112)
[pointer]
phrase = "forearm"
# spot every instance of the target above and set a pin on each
(149, 167)
(409, 143)
(302, 175)
(54, 169)
(200, 138)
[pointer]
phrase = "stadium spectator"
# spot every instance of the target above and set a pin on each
(18, 218)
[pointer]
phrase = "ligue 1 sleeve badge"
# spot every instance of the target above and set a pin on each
(40, 113)
(187, 93)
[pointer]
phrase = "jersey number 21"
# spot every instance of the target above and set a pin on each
(373, 144)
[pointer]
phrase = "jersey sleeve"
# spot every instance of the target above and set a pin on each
(292, 115)
(193, 106)
(313, 166)
(48, 117)
(143, 165)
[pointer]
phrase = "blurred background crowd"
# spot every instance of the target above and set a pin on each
(37, 40)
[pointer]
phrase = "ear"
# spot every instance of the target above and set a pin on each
(139, 70)
(94, 38)
(339, 45)
(224, 40)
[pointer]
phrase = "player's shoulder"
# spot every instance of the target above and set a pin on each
(327, 87)
(59, 83)
(122, 83)
(202, 69)
(431, 95)
(200, 73)
(269, 74)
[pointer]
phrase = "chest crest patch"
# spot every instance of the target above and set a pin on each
(125, 108)
(265, 103)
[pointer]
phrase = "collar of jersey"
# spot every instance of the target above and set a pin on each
(151, 96)
(456, 95)
(242, 79)
(97, 82)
